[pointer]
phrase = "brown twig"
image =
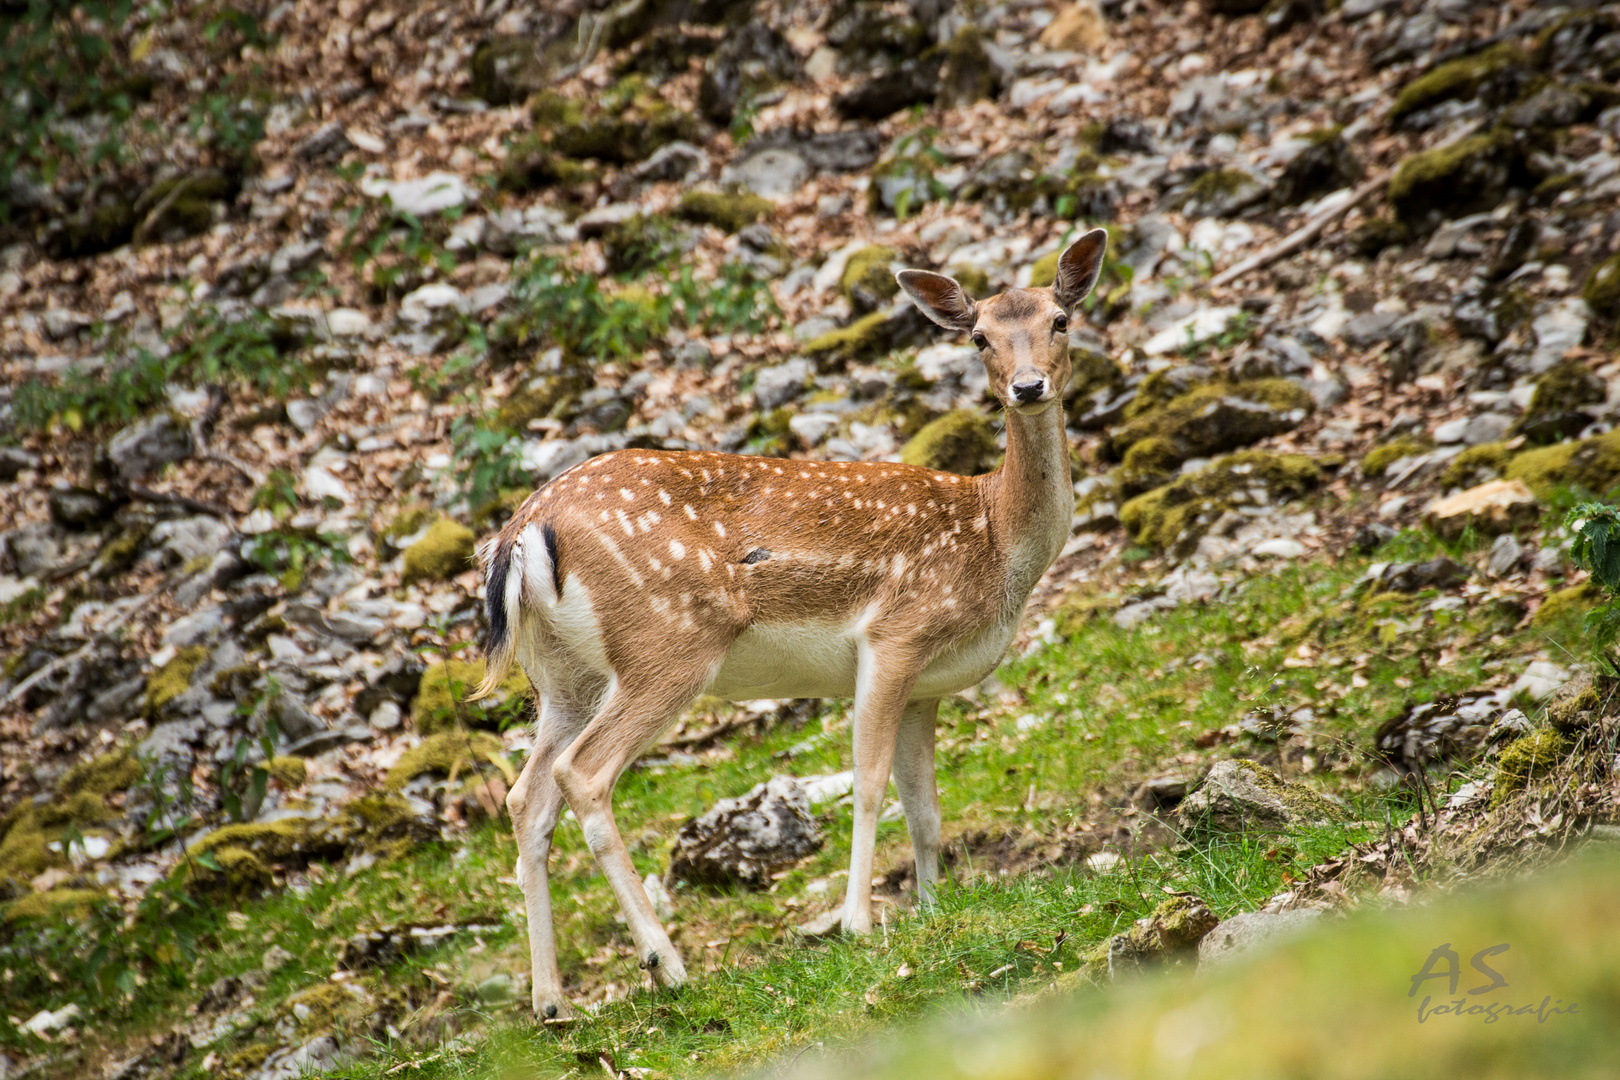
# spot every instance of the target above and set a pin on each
(198, 506)
(1300, 236)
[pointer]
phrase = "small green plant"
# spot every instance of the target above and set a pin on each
(289, 553)
(489, 459)
(1596, 530)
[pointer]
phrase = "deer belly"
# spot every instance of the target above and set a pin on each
(788, 660)
(966, 663)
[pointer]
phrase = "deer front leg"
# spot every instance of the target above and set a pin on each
(587, 771)
(919, 795)
(884, 681)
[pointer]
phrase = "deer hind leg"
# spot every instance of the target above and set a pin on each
(919, 795)
(535, 803)
(632, 717)
(883, 683)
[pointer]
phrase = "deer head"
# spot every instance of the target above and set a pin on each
(1022, 334)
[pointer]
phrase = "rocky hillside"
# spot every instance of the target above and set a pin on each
(298, 300)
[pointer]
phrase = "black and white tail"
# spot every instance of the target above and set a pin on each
(520, 575)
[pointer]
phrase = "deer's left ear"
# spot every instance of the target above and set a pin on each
(940, 298)
(1078, 267)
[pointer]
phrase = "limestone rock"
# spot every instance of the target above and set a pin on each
(1242, 796)
(146, 446)
(1252, 931)
(741, 840)
(1501, 506)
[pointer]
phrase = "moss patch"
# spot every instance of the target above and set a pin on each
(960, 442)
(444, 551)
(865, 338)
(726, 211)
(1455, 79)
(444, 685)
(288, 770)
(1453, 180)
(1602, 288)
(1217, 417)
(174, 678)
(1476, 465)
(1044, 272)
(1380, 458)
(1526, 759)
(450, 752)
(52, 904)
(1593, 464)
(1572, 602)
(1562, 388)
(1176, 515)
(867, 280)
(112, 771)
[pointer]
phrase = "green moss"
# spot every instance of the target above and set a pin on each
(174, 678)
(1592, 464)
(24, 853)
(542, 396)
(1455, 79)
(288, 770)
(1149, 463)
(726, 211)
(865, 338)
(52, 904)
(444, 684)
(974, 281)
(1377, 233)
(1200, 423)
(1044, 272)
(407, 522)
(961, 442)
(113, 771)
(1476, 465)
(531, 165)
(247, 1059)
(1567, 603)
(1449, 181)
(867, 276)
(549, 109)
(319, 1007)
(1217, 182)
(84, 808)
(640, 243)
(1176, 515)
(968, 74)
(1380, 458)
(117, 554)
(1602, 288)
(1563, 387)
(1526, 759)
(444, 551)
(449, 752)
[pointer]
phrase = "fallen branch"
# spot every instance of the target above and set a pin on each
(196, 506)
(1300, 236)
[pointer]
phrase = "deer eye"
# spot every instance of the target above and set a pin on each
(980, 340)
(1060, 325)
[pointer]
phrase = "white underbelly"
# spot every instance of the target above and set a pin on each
(820, 660)
(789, 660)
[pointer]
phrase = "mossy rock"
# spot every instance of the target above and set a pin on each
(1476, 465)
(506, 69)
(108, 224)
(288, 770)
(320, 1007)
(113, 771)
(728, 211)
(640, 243)
(239, 860)
(974, 281)
(1455, 79)
(1377, 233)
(1555, 407)
(410, 520)
(181, 207)
(864, 339)
(450, 753)
(867, 279)
(1217, 417)
(540, 397)
(968, 74)
(1530, 758)
(1090, 373)
(434, 707)
(24, 848)
(1149, 463)
(1044, 272)
(1591, 464)
(531, 165)
(1602, 289)
(1380, 458)
(174, 678)
(1176, 515)
(961, 442)
(445, 550)
(1575, 706)
(52, 904)
(1570, 603)
(1244, 796)
(1450, 181)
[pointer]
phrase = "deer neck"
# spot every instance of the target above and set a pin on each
(1030, 499)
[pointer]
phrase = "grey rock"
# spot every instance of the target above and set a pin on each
(429, 195)
(186, 540)
(224, 569)
(778, 385)
(1253, 931)
(195, 628)
(850, 150)
(1552, 107)
(1507, 555)
(327, 143)
(78, 507)
(741, 840)
(292, 717)
(1369, 538)
(1441, 573)
(675, 161)
(1423, 737)
(1369, 328)
(1550, 560)
(1240, 796)
(775, 174)
(173, 739)
(1487, 428)
(13, 460)
(386, 717)
(318, 1055)
(34, 549)
(146, 446)
(322, 741)
(113, 702)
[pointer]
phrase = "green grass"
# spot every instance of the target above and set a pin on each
(1118, 706)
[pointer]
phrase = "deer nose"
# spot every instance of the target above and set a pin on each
(1029, 391)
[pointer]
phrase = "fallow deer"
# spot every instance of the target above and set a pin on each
(640, 579)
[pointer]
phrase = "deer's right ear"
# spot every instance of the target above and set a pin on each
(940, 298)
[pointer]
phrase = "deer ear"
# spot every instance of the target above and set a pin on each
(940, 298)
(1078, 267)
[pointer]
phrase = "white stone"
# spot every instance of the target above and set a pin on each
(432, 193)
(1561, 328)
(1195, 329)
(320, 484)
(426, 303)
(547, 459)
(1540, 681)
(823, 789)
(45, 1020)
(812, 428)
(1104, 862)
(1279, 547)
(663, 905)
(775, 174)
(1451, 431)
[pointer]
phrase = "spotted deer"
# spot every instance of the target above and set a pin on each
(640, 579)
